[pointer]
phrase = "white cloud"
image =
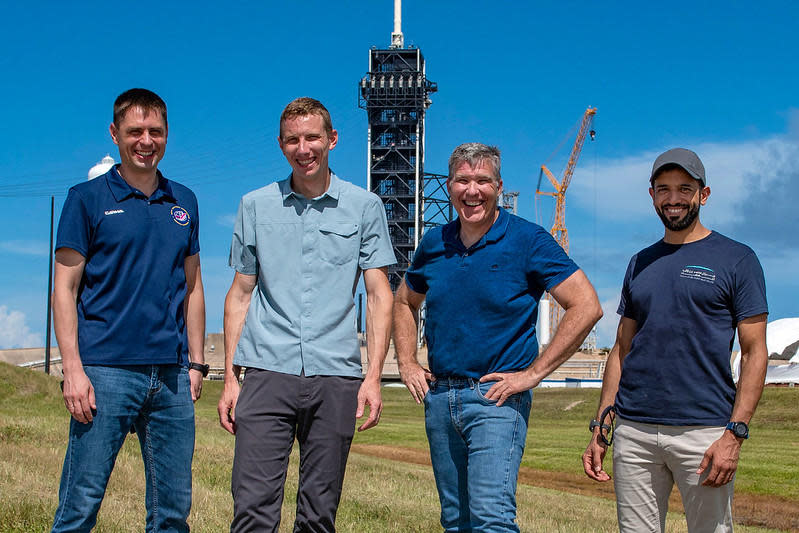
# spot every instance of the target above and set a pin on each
(734, 170)
(25, 247)
(227, 220)
(14, 333)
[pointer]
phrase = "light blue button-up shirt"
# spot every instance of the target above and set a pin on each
(308, 255)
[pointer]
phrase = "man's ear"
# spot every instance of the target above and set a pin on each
(703, 195)
(112, 129)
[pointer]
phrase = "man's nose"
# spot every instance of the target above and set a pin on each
(674, 197)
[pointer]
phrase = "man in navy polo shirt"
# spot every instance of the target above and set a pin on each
(668, 377)
(482, 277)
(127, 253)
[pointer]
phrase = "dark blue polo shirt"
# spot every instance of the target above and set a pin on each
(482, 302)
(130, 299)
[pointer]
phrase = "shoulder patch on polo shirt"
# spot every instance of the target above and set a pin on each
(180, 215)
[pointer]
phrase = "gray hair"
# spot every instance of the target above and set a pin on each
(474, 154)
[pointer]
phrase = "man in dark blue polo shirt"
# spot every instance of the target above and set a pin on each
(482, 277)
(127, 253)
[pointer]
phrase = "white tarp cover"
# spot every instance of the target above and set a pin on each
(782, 339)
(783, 374)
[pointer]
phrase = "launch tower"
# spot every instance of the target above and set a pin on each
(395, 93)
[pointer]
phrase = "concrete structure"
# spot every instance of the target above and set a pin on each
(582, 366)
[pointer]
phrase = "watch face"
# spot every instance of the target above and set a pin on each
(740, 430)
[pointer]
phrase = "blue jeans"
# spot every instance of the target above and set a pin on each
(476, 449)
(156, 401)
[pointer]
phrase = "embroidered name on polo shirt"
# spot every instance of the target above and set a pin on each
(699, 273)
(114, 211)
(180, 215)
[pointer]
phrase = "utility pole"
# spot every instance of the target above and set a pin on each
(49, 290)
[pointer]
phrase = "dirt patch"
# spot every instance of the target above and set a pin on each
(748, 509)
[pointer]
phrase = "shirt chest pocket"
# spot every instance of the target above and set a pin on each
(338, 242)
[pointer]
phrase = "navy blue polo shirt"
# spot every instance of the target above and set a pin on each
(482, 301)
(130, 298)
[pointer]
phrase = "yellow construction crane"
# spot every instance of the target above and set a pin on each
(559, 231)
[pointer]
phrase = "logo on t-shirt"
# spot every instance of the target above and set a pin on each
(180, 215)
(699, 273)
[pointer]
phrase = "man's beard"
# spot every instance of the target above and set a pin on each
(682, 223)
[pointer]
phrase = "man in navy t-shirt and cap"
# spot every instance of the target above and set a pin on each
(130, 322)
(668, 379)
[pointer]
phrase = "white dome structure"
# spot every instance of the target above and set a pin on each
(102, 167)
(782, 343)
(782, 339)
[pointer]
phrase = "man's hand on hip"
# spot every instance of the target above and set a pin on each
(507, 384)
(417, 379)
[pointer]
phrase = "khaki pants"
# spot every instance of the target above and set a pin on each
(648, 459)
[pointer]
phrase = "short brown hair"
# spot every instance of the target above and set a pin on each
(304, 106)
(147, 100)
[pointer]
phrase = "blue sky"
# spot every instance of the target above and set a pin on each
(717, 77)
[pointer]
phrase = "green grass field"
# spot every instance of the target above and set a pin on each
(380, 495)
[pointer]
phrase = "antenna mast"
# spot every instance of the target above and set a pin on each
(397, 40)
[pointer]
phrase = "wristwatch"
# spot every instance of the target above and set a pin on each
(739, 429)
(201, 367)
(597, 424)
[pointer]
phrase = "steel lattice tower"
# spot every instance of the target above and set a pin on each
(395, 93)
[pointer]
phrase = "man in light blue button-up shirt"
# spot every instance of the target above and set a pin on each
(299, 247)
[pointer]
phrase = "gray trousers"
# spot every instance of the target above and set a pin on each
(272, 410)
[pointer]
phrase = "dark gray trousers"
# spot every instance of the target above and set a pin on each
(272, 410)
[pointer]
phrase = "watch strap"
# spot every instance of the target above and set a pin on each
(203, 368)
(739, 429)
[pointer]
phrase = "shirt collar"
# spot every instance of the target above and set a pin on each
(333, 190)
(451, 232)
(121, 190)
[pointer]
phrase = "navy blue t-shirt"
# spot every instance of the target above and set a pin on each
(130, 299)
(482, 302)
(687, 301)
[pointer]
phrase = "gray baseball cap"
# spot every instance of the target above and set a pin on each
(686, 159)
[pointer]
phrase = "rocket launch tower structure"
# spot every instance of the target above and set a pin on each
(395, 93)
